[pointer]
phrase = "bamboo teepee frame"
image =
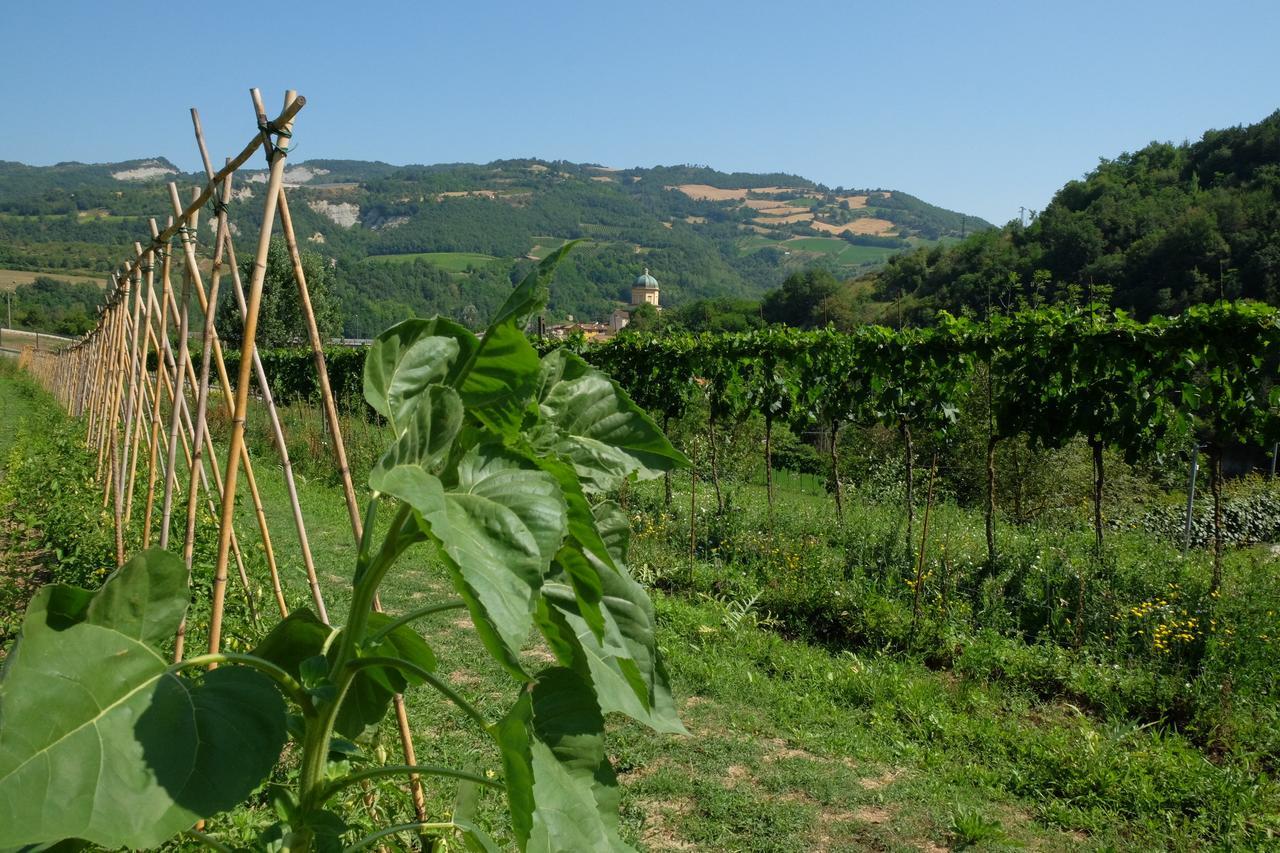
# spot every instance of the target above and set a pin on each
(155, 419)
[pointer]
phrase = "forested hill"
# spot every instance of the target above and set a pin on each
(1155, 231)
(451, 237)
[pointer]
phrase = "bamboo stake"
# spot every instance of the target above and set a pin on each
(144, 316)
(202, 395)
(924, 538)
(214, 496)
(273, 414)
(250, 478)
(116, 455)
(180, 370)
(217, 478)
(131, 406)
(276, 159)
(115, 393)
(200, 424)
(162, 334)
(163, 347)
(322, 371)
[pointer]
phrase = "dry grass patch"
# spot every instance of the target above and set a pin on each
(777, 749)
(786, 220)
(464, 678)
(465, 193)
(706, 192)
(866, 225)
(855, 201)
(660, 821)
(875, 783)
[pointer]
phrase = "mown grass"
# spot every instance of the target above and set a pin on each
(818, 718)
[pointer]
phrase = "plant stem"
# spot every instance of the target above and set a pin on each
(447, 691)
(208, 841)
(411, 616)
(368, 840)
(369, 573)
(397, 769)
(278, 675)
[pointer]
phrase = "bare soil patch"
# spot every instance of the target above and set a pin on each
(873, 814)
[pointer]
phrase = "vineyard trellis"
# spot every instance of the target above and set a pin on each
(1049, 374)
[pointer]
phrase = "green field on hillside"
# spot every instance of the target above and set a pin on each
(10, 279)
(447, 261)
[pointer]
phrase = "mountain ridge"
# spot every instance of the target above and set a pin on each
(397, 234)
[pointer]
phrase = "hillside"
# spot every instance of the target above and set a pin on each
(1155, 231)
(450, 237)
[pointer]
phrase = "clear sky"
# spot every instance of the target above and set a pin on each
(980, 107)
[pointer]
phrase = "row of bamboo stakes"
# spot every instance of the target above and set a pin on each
(104, 378)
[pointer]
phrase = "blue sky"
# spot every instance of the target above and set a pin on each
(979, 107)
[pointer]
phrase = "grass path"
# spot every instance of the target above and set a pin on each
(20, 569)
(15, 404)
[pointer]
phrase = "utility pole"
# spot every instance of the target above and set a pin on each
(1022, 216)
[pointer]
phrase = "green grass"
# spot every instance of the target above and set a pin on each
(803, 742)
(454, 262)
(852, 254)
(838, 250)
(15, 407)
(755, 242)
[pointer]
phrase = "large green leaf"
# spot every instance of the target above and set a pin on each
(623, 660)
(405, 359)
(427, 432)
(300, 636)
(499, 379)
(562, 792)
(531, 294)
(100, 741)
(594, 424)
(497, 528)
(500, 382)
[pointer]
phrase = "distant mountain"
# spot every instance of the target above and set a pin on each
(1153, 231)
(451, 237)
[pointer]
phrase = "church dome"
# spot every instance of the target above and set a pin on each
(645, 280)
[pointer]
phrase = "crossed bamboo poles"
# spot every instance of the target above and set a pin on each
(105, 378)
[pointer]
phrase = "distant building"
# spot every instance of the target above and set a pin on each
(644, 291)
